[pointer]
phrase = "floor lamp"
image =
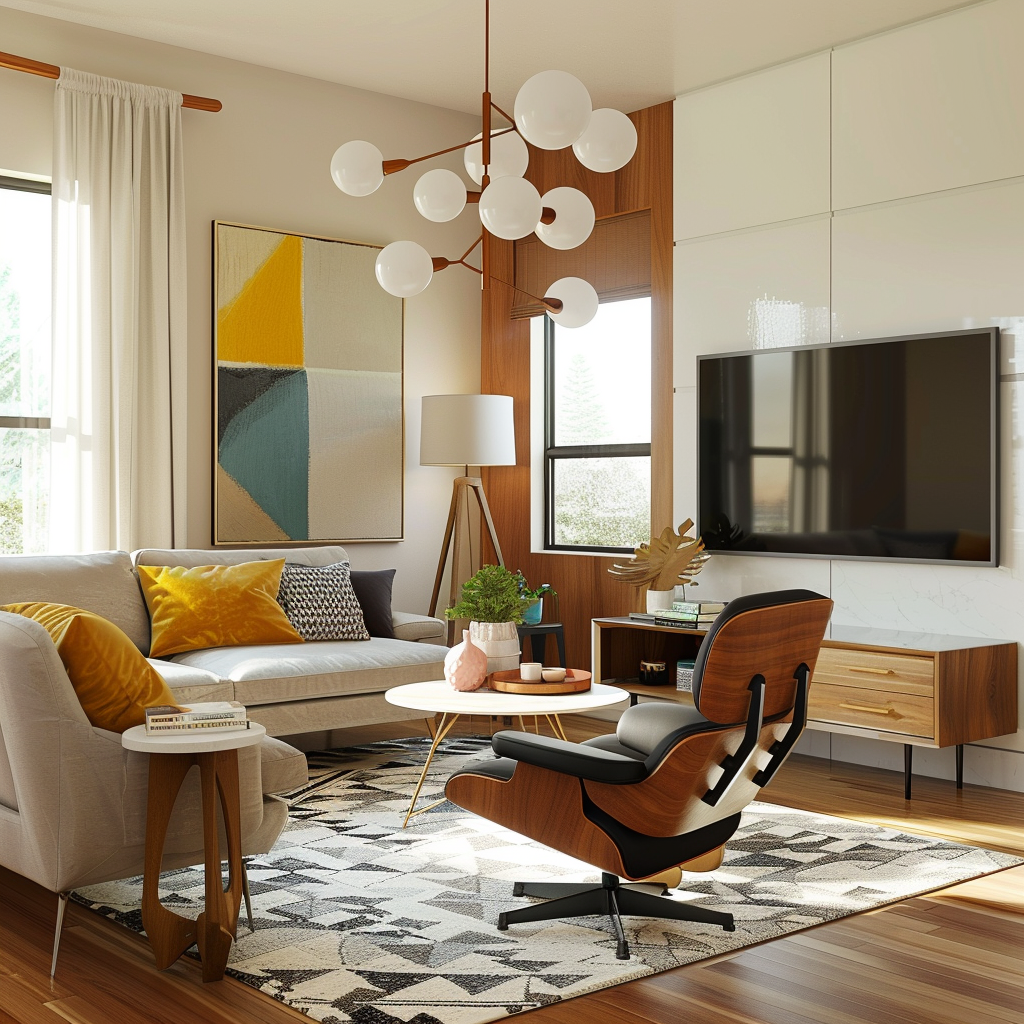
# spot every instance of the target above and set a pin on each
(465, 430)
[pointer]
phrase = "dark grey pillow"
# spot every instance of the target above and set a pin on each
(320, 602)
(373, 591)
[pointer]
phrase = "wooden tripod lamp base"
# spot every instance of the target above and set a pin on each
(459, 527)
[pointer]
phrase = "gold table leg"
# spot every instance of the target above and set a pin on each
(443, 728)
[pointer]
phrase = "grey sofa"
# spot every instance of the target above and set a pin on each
(292, 689)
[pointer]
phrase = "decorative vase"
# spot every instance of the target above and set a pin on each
(659, 600)
(499, 641)
(465, 665)
(532, 615)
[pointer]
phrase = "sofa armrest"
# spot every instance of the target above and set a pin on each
(411, 626)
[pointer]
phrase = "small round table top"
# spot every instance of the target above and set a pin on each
(439, 696)
(200, 741)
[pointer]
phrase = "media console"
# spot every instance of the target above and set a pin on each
(918, 689)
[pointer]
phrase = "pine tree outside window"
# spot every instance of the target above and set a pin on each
(597, 430)
(25, 272)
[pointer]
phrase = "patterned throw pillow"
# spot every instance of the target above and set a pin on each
(320, 602)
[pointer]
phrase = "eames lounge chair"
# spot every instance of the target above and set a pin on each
(666, 791)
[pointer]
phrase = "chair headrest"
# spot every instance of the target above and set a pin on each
(769, 634)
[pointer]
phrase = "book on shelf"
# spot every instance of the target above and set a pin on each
(642, 616)
(220, 714)
(692, 608)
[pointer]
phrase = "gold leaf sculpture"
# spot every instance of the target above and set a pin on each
(668, 560)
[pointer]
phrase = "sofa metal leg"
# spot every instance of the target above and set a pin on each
(246, 895)
(62, 902)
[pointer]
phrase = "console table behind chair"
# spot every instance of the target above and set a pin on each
(918, 689)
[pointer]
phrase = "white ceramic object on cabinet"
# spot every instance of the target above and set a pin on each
(936, 105)
(754, 150)
(762, 288)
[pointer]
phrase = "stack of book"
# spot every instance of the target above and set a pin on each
(222, 715)
(693, 614)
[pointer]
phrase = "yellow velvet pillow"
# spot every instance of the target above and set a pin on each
(113, 681)
(215, 606)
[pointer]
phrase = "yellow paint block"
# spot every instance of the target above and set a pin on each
(263, 325)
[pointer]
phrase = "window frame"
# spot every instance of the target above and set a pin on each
(42, 188)
(554, 453)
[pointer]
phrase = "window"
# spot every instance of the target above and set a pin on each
(597, 430)
(25, 263)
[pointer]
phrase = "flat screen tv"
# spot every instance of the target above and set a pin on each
(878, 450)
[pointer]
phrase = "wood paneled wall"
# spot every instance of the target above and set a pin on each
(582, 581)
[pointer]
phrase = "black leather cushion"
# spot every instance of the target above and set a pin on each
(500, 768)
(373, 592)
(609, 742)
(585, 762)
(645, 726)
(748, 603)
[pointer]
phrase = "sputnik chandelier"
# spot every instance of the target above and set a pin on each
(552, 111)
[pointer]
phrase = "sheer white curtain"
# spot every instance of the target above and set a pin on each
(117, 419)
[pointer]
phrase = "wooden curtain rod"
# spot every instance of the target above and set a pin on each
(37, 67)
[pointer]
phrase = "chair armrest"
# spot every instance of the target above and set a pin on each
(590, 763)
(411, 626)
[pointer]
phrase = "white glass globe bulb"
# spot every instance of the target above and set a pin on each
(404, 269)
(510, 207)
(509, 157)
(440, 195)
(357, 168)
(574, 218)
(579, 301)
(608, 143)
(552, 109)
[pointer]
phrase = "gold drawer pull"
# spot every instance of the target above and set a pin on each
(872, 671)
(866, 707)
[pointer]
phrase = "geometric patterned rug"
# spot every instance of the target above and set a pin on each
(359, 920)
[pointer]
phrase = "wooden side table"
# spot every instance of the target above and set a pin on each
(171, 757)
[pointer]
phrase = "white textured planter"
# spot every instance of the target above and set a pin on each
(499, 641)
(659, 600)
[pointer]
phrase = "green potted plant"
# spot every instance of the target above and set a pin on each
(535, 597)
(492, 602)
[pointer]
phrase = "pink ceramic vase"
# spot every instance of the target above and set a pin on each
(465, 665)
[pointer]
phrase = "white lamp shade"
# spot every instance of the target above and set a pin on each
(510, 207)
(574, 218)
(509, 157)
(579, 301)
(552, 109)
(357, 168)
(404, 269)
(439, 195)
(467, 430)
(608, 143)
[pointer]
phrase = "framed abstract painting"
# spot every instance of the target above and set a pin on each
(308, 391)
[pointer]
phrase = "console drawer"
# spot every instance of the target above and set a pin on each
(871, 670)
(885, 712)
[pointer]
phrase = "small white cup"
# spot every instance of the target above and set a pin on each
(529, 671)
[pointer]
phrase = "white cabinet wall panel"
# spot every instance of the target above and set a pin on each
(764, 288)
(939, 263)
(684, 455)
(754, 150)
(932, 106)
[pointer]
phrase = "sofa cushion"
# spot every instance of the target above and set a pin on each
(191, 557)
(410, 626)
(214, 606)
(373, 591)
(282, 767)
(320, 602)
(279, 672)
(112, 680)
(193, 684)
(103, 583)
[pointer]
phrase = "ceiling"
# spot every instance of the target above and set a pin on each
(629, 53)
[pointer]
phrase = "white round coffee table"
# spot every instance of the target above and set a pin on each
(171, 757)
(438, 697)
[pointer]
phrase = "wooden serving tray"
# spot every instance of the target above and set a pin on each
(576, 681)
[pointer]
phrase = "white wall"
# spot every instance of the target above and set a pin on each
(873, 190)
(264, 160)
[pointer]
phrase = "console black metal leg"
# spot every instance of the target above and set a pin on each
(959, 766)
(908, 767)
(560, 641)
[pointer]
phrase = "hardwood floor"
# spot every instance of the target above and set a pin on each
(951, 957)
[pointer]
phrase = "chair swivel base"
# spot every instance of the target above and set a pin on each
(610, 897)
